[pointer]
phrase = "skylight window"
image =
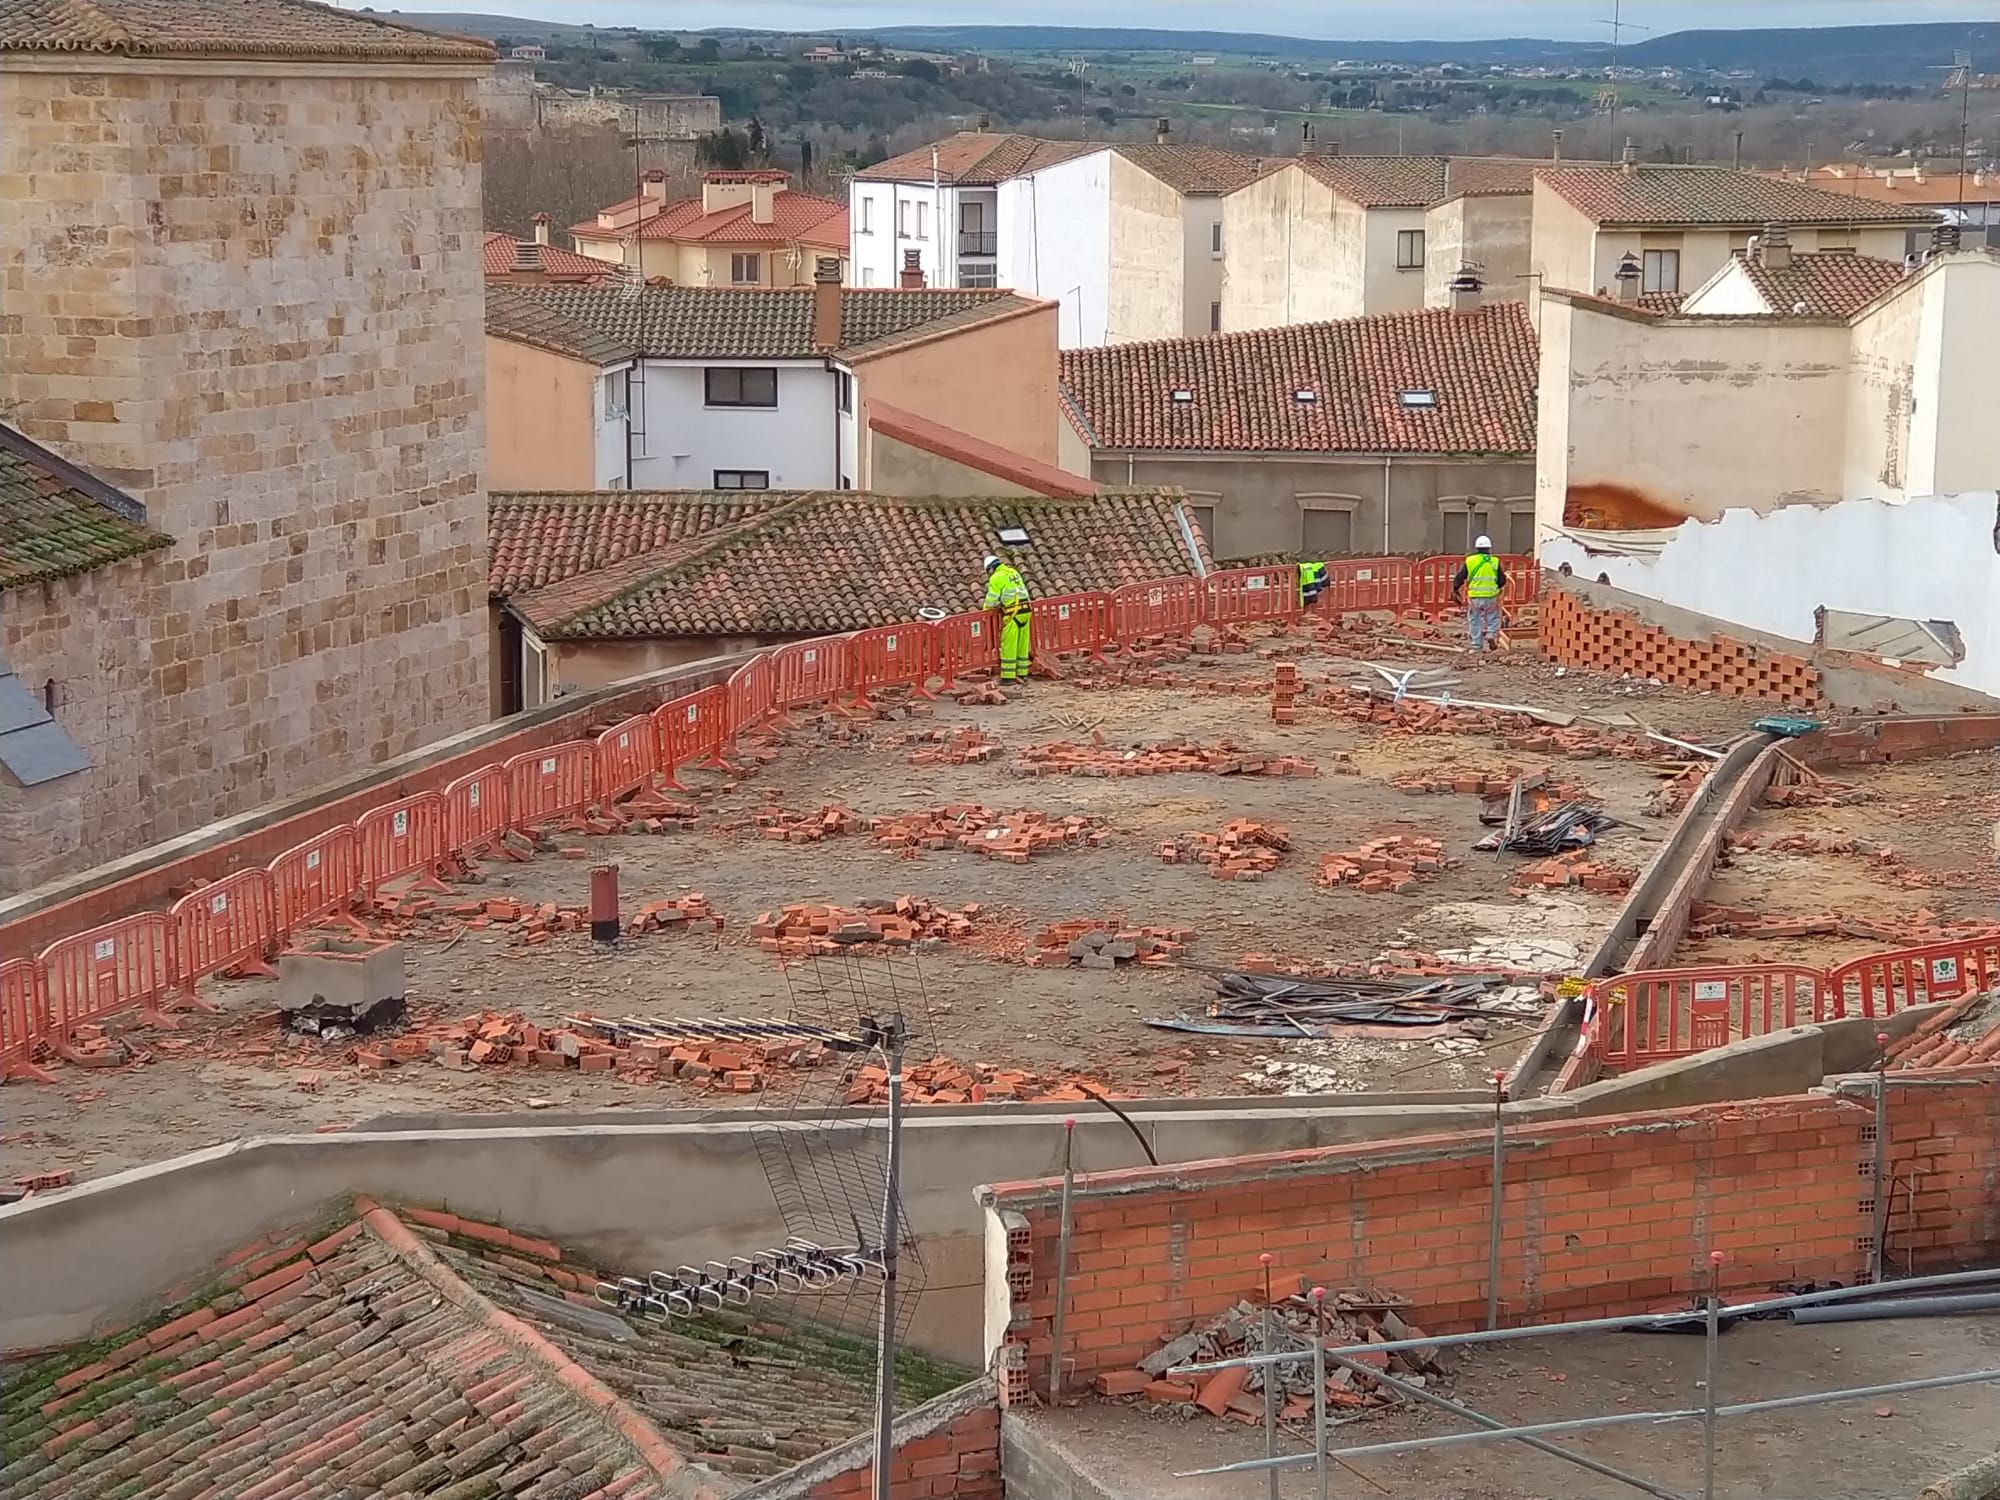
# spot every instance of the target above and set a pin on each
(1182, 396)
(1014, 536)
(1304, 396)
(1421, 400)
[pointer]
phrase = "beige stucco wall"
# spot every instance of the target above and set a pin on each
(1562, 249)
(1293, 252)
(576, 665)
(1072, 452)
(896, 468)
(1387, 287)
(996, 381)
(1956, 420)
(251, 296)
(541, 415)
(1489, 229)
(1883, 349)
(1146, 294)
(711, 265)
(1201, 266)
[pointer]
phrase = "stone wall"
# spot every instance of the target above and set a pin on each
(250, 295)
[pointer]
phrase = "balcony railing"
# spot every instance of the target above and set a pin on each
(976, 242)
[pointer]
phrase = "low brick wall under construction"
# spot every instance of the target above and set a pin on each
(1609, 640)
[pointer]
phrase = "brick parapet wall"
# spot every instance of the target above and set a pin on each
(946, 1449)
(1607, 1216)
(1609, 640)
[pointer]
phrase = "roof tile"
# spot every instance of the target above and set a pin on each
(497, 252)
(282, 29)
(1419, 181)
(976, 158)
(535, 539)
(57, 519)
(1826, 284)
(1480, 368)
(1713, 195)
(795, 216)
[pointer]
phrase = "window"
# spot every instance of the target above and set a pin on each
(1215, 240)
(1418, 400)
(905, 216)
(1203, 517)
(1464, 522)
(868, 276)
(614, 395)
(742, 387)
(843, 385)
(866, 223)
(746, 269)
(742, 479)
(1215, 317)
(923, 221)
(1520, 538)
(976, 234)
(1661, 271)
(978, 273)
(1326, 533)
(1409, 249)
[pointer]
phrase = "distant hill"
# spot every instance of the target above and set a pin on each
(1516, 50)
(1906, 54)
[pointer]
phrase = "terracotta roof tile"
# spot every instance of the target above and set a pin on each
(1199, 171)
(1824, 284)
(284, 29)
(973, 158)
(538, 539)
(833, 561)
(57, 519)
(496, 258)
(1419, 181)
(720, 322)
(1480, 368)
(794, 216)
(1941, 186)
(1713, 195)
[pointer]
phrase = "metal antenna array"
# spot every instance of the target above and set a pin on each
(800, 1268)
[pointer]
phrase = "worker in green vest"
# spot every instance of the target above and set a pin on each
(1479, 579)
(1007, 593)
(1312, 583)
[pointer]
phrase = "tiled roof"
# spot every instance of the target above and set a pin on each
(1661, 303)
(415, 1353)
(1941, 186)
(537, 539)
(1419, 181)
(1713, 195)
(282, 29)
(794, 217)
(1825, 285)
(512, 313)
(1480, 368)
(721, 322)
(496, 256)
(1199, 171)
(976, 453)
(833, 561)
(57, 519)
(976, 158)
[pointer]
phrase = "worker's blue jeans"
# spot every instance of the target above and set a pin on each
(1482, 619)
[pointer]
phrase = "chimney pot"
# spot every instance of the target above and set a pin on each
(985, 124)
(1628, 276)
(826, 303)
(1628, 159)
(1466, 288)
(1307, 145)
(541, 229)
(1555, 145)
(528, 256)
(1162, 129)
(912, 274)
(1774, 247)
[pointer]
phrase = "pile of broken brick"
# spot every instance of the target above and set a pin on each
(1242, 850)
(1576, 868)
(1158, 758)
(943, 1081)
(1108, 944)
(1965, 1031)
(965, 746)
(804, 930)
(1388, 864)
(1014, 837)
(1895, 868)
(534, 923)
(1347, 1318)
(1922, 927)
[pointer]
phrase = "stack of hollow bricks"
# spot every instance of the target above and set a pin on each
(1285, 693)
(1600, 1217)
(960, 1459)
(1617, 642)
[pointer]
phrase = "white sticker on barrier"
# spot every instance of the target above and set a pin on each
(1711, 989)
(472, 795)
(889, 644)
(624, 742)
(694, 713)
(1259, 582)
(1363, 575)
(1944, 971)
(1156, 596)
(810, 657)
(399, 825)
(977, 625)
(1062, 611)
(218, 904)
(312, 859)
(104, 948)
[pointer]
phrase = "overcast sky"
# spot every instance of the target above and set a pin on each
(1368, 19)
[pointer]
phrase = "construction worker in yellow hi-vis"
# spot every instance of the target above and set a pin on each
(1480, 579)
(1007, 593)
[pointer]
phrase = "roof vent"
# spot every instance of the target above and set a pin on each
(1182, 396)
(1013, 536)
(1627, 275)
(1419, 400)
(1628, 159)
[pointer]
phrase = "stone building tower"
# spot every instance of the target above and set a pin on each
(240, 281)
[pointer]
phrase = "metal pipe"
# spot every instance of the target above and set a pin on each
(1493, 1209)
(1629, 1323)
(1494, 1424)
(885, 1353)
(1062, 1264)
(1712, 1334)
(1270, 1384)
(1903, 1307)
(1319, 1388)
(1620, 1419)
(1879, 1228)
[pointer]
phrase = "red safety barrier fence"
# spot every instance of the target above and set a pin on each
(1245, 594)
(550, 785)
(1883, 983)
(24, 1019)
(476, 816)
(404, 837)
(315, 879)
(1432, 578)
(1661, 1014)
(749, 695)
(891, 656)
(1066, 624)
(626, 759)
(231, 923)
(690, 729)
(1167, 607)
(970, 643)
(124, 965)
(1369, 585)
(809, 672)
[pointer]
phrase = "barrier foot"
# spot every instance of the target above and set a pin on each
(250, 968)
(164, 1020)
(717, 762)
(21, 1068)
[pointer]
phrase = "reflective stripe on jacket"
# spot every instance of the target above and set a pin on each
(1311, 573)
(1482, 576)
(1005, 590)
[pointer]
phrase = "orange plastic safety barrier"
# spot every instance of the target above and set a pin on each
(1660, 1014)
(550, 785)
(969, 643)
(1433, 577)
(1244, 594)
(1369, 585)
(1066, 624)
(1883, 983)
(230, 923)
(891, 656)
(625, 759)
(690, 729)
(1165, 607)
(809, 672)
(315, 879)
(24, 1019)
(475, 814)
(124, 965)
(749, 698)
(400, 838)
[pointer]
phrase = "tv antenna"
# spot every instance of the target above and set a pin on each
(1619, 26)
(1959, 76)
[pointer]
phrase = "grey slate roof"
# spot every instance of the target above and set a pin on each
(33, 746)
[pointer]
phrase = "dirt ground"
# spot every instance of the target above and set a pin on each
(1938, 819)
(1879, 1448)
(216, 1081)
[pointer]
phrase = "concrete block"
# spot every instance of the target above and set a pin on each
(344, 979)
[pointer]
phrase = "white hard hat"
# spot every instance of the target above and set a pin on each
(1483, 544)
(992, 562)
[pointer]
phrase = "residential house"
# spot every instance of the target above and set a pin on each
(1331, 236)
(504, 258)
(1679, 225)
(746, 229)
(1788, 378)
(1960, 193)
(595, 587)
(1127, 237)
(692, 387)
(295, 398)
(1403, 432)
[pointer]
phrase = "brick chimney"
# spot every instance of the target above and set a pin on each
(541, 229)
(826, 303)
(653, 189)
(912, 275)
(1628, 159)
(1774, 247)
(527, 258)
(1163, 130)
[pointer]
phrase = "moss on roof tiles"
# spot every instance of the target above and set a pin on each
(57, 519)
